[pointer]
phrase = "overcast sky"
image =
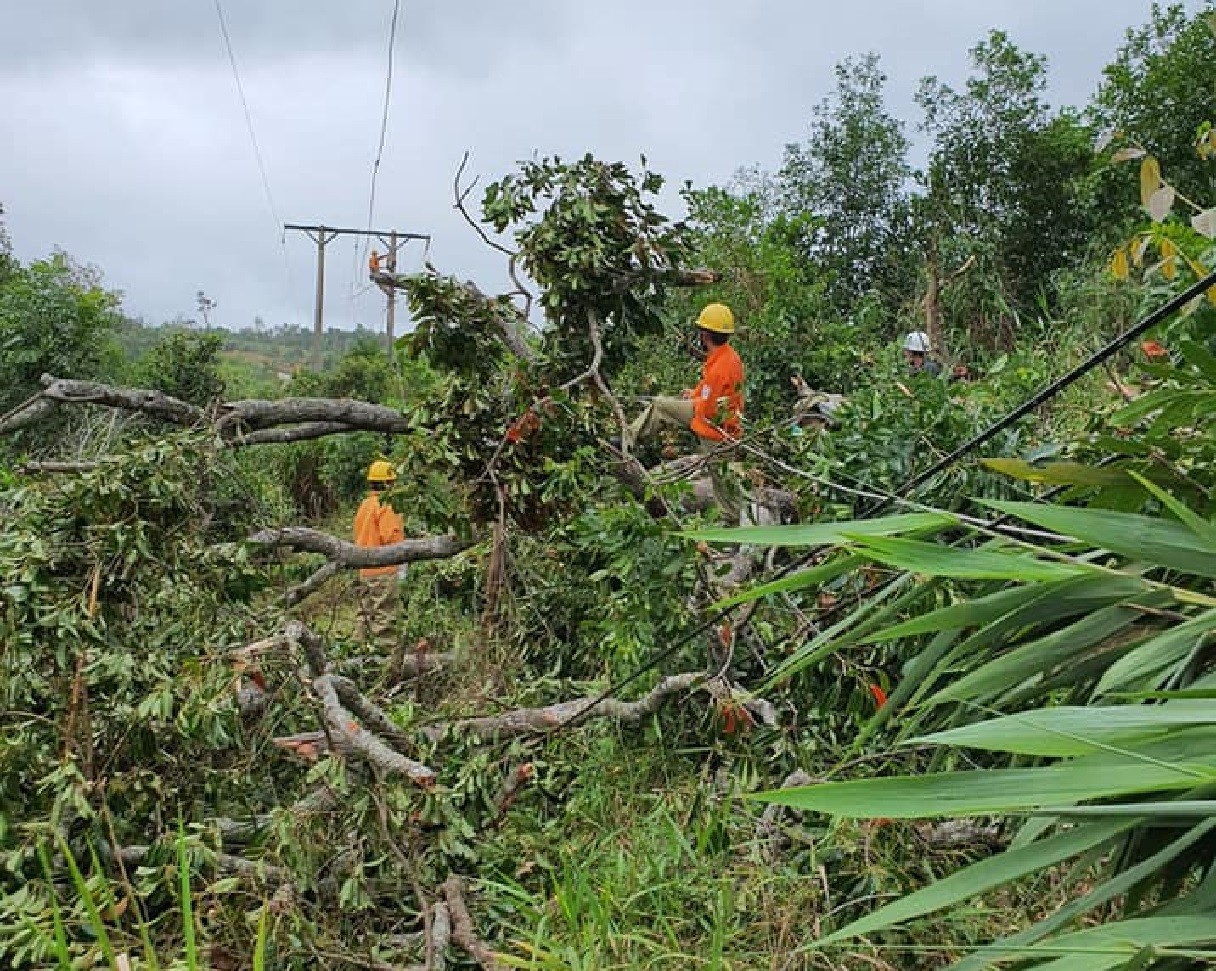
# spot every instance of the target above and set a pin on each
(125, 143)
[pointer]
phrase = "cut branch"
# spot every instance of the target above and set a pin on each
(349, 555)
(530, 721)
(345, 730)
(225, 862)
(463, 932)
(408, 664)
(250, 422)
(29, 412)
(298, 433)
(148, 401)
(54, 468)
(441, 935)
(303, 591)
(257, 413)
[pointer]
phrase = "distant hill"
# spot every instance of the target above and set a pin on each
(278, 350)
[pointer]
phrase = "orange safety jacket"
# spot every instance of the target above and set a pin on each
(718, 399)
(377, 525)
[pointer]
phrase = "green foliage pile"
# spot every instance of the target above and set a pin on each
(1048, 676)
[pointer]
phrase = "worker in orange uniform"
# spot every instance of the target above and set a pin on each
(373, 264)
(713, 410)
(376, 524)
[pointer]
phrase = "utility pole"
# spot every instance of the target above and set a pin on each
(390, 293)
(391, 239)
(319, 235)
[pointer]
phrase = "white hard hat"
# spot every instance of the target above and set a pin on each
(917, 341)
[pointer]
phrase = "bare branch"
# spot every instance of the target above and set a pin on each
(251, 422)
(55, 468)
(512, 330)
(371, 714)
(226, 862)
(408, 664)
(441, 935)
(463, 932)
(302, 591)
(520, 776)
(243, 830)
(460, 196)
(29, 412)
(349, 555)
(298, 433)
(529, 721)
(593, 329)
(342, 726)
(148, 401)
(255, 413)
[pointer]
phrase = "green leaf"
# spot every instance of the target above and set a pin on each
(983, 876)
(1104, 775)
(186, 901)
(963, 564)
(1162, 652)
(1198, 525)
(1038, 656)
(1114, 944)
(1056, 473)
(1142, 538)
(90, 903)
(826, 534)
(968, 613)
(1102, 893)
(797, 581)
(63, 956)
(1075, 730)
(1013, 607)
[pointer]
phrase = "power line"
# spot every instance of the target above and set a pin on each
(253, 137)
(257, 151)
(388, 95)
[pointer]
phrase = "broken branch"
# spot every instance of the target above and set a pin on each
(344, 729)
(528, 721)
(302, 591)
(349, 555)
(462, 927)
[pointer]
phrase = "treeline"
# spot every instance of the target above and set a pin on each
(1000, 239)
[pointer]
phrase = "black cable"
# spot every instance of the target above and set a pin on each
(240, 90)
(388, 94)
(1108, 351)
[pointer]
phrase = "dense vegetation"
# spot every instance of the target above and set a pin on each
(968, 727)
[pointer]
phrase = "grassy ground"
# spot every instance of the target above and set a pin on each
(639, 847)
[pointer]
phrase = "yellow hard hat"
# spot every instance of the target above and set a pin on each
(718, 318)
(381, 471)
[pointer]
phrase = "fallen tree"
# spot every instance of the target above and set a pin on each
(531, 721)
(250, 422)
(347, 554)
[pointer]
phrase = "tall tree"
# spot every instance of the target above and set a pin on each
(54, 317)
(852, 175)
(1003, 184)
(1159, 90)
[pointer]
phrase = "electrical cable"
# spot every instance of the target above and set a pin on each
(253, 137)
(362, 245)
(280, 232)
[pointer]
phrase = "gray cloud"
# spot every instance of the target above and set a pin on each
(459, 36)
(126, 145)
